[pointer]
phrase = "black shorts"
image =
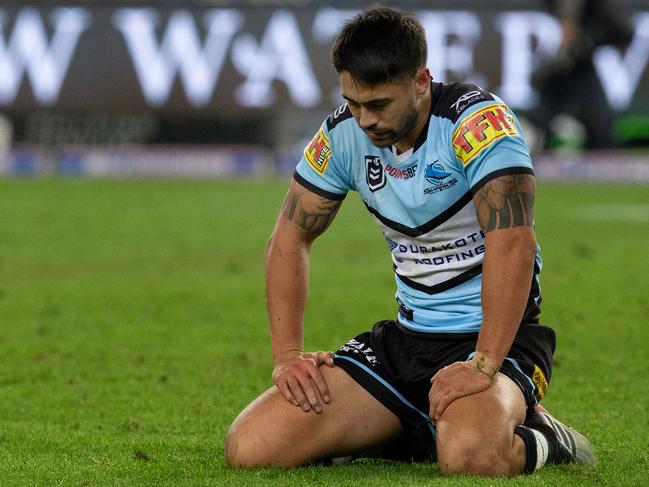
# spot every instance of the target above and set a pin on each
(395, 366)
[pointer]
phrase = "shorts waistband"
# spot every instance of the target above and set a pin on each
(434, 335)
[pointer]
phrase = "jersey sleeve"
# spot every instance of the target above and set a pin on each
(488, 142)
(322, 168)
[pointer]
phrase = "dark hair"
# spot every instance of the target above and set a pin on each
(379, 45)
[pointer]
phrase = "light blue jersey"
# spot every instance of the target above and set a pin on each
(423, 199)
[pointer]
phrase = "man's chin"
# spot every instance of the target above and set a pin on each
(382, 145)
(381, 142)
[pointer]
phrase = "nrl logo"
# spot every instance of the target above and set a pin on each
(374, 173)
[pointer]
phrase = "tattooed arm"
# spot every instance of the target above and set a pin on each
(303, 217)
(506, 202)
(505, 210)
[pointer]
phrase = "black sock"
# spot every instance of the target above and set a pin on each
(538, 448)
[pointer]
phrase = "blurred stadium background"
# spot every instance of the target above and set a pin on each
(222, 89)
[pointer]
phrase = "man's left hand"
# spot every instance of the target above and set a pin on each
(452, 382)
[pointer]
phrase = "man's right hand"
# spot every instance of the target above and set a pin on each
(298, 377)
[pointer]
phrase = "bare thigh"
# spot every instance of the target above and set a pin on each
(270, 431)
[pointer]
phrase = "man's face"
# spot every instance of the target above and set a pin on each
(387, 112)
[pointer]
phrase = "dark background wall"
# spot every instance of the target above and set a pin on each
(257, 72)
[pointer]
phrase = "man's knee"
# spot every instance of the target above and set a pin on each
(230, 449)
(271, 432)
(462, 450)
(246, 446)
(236, 450)
(471, 459)
(240, 450)
(249, 441)
(484, 445)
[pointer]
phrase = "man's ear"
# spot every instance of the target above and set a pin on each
(422, 79)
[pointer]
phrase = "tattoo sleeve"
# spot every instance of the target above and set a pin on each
(506, 202)
(309, 211)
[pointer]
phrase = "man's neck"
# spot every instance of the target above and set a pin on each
(408, 142)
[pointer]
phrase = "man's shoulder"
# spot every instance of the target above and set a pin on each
(453, 99)
(338, 116)
(333, 141)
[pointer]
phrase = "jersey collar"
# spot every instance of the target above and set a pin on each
(435, 93)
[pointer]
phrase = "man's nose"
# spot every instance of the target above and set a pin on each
(367, 119)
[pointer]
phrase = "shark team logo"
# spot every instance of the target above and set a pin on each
(435, 173)
(438, 176)
(374, 173)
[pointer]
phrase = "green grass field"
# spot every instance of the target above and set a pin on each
(133, 328)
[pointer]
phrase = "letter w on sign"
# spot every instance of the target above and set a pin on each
(28, 50)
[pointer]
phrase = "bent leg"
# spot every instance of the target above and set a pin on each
(272, 432)
(475, 435)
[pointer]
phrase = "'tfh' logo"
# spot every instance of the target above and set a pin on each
(375, 175)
